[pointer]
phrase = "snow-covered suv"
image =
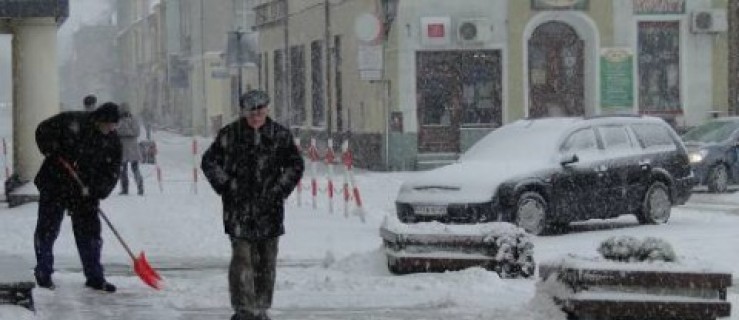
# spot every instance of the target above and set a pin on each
(542, 173)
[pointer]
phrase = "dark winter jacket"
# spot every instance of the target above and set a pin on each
(253, 171)
(128, 131)
(74, 137)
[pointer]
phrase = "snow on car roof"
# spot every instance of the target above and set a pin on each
(527, 138)
(522, 138)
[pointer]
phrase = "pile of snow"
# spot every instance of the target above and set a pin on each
(631, 249)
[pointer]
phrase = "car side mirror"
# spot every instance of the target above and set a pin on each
(568, 159)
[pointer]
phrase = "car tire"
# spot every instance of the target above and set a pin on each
(718, 179)
(531, 213)
(656, 206)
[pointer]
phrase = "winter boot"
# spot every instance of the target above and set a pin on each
(100, 285)
(44, 281)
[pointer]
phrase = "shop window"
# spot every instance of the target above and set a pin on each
(481, 89)
(297, 85)
(317, 99)
(659, 67)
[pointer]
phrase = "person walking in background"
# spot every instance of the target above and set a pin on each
(84, 144)
(129, 130)
(89, 102)
(254, 165)
(147, 116)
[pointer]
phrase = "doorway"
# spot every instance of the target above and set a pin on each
(556, 71)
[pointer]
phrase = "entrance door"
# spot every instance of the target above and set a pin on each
(555, 71)
(438, 97)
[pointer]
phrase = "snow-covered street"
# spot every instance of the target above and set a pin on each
(330, 266)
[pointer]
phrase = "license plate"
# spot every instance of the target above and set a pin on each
(426, 210)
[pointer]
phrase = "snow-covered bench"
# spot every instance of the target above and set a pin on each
(16, 281)
(435, 247)
(619, 290)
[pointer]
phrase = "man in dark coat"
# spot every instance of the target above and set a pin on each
(86, 143)
(254, 165)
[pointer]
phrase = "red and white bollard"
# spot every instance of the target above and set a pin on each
(159, 178)
(194, 165)
(5, 160)
(153, 154)
(299, 187)
(349, 179)
(314, 157)
(330, 157)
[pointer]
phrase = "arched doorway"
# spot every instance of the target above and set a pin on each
(556, 71)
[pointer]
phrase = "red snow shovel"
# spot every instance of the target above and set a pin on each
(140, 266)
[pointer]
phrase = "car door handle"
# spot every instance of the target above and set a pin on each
(645, 164)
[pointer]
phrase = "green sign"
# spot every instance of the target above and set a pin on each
(616, 78)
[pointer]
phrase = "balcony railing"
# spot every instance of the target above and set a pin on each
(19, 9)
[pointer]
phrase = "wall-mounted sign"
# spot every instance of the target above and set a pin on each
(396, 121)
(369, 61)
(616, 78)
(559, 4)
(435, 30)
(659, 6)
(368, 28)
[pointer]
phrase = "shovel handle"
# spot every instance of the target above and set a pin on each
(117, 235)
(107, 221)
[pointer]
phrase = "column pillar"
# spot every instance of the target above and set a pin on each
(35, 89)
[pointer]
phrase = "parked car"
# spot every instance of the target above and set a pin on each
(712, 148)
(545, 173)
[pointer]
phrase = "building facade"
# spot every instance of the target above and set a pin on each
(415, 83)
(174, 59)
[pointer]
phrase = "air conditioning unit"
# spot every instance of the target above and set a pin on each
(707, 21)
(473, 31)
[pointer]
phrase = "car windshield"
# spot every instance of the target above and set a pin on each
(715, 131)
(523, 140)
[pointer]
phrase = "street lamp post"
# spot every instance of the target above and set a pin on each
(236, 58)
(239, 64)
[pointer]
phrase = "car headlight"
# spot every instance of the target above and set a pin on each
(697, 156)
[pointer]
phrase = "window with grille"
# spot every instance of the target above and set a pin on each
(659, 67)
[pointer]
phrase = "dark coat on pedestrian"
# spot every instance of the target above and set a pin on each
(253, 171)
(96, 157)
(129, 131)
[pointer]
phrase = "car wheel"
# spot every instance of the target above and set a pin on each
(531, 213)
(657, 205)
(718, 179)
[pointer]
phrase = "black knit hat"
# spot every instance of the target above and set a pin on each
(107, 112)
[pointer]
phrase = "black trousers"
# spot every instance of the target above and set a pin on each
(136, 176)
(251, 275)
(86, 227)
